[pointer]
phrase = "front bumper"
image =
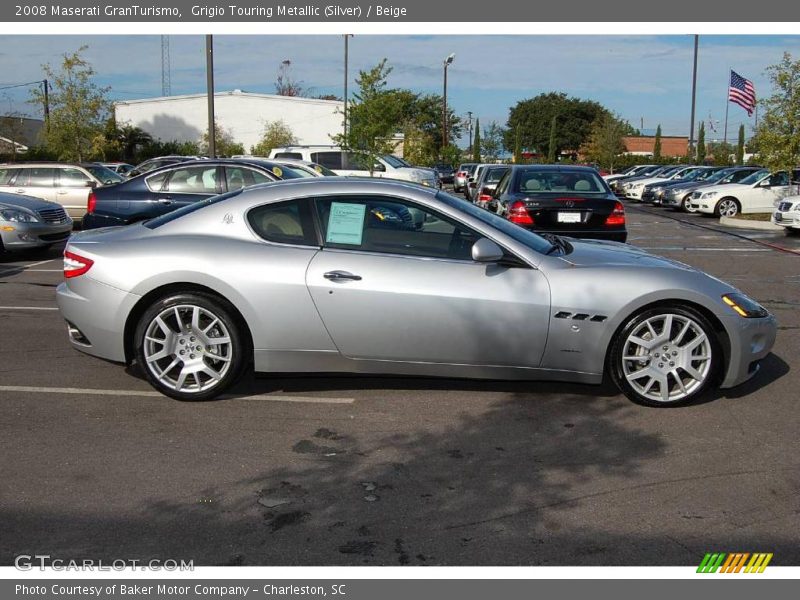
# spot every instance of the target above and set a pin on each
(788, 219)
(750, 341)
(26, 236)
(96, 314)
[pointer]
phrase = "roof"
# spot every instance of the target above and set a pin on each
(238, 93)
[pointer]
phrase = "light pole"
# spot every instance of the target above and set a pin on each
(347, 36)
(212, 147)
(469, 116)
(447, 62)
(694, 97)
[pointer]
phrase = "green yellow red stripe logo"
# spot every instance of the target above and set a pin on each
(734, 562)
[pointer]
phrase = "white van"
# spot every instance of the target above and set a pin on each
(354, 163)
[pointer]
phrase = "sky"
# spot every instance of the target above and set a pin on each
(645, 79)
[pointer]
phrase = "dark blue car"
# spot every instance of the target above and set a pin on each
(171, 187)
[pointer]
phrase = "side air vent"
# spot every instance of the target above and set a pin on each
(563, 315)
(580, 317)
(598, 318)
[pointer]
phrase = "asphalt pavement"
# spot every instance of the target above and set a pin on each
(395, 471)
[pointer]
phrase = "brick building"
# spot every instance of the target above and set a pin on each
(671, 145)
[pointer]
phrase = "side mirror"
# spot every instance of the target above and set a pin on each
(378, 167)
(486, 251)
(91, 184)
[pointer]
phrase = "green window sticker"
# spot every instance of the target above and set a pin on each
(346, 223)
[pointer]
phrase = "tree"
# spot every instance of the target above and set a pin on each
(701, 144)
(476, 142)
(284, 84)
(517, 148)
(740, 147)
(276, 134)
(720, 153)
(606, 141)
(373, 114)
(657, 145)
(552, 143)
(492, 141)
(779, 131)
(533, 119)
(224, 144)
(78, 107)
(420, 115)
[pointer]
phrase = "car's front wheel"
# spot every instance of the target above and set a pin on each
(727, 207)
(665, 356)
(686, 205)
(190, 346)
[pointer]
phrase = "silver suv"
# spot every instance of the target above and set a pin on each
(68, 184)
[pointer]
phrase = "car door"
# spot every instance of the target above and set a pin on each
(72, 190)
(37, 182)
(186, 185)
(767, 192)
(389, 290)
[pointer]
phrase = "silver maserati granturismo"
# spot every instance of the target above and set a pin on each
(373, 276)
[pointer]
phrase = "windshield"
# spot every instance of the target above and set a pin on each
(755, 177)
(395, 162)
(104, 174)
(517, 233)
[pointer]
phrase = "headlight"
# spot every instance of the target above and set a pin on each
(18, 216)
(677, 192)
(657, 190)
(709, 194)
(744, 306)
(637, 186)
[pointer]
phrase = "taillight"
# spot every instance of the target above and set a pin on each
(91, 204)
(484, 197)
(75, 265)
(617, 216)
(518, 213)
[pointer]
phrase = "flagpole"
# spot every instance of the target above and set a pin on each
(727, 105)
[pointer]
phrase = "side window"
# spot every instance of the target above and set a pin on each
(40, 177)
(239, 177)
(284, 223)
(392, 226)
(154, 182)
(502, 185)
(7, 176)
(332, 160)
(193, 180)
(68, 177)
(356, 162)
(781, 178)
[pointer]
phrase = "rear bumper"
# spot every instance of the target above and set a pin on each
(25, 236)
(751, 340)
(96, 314)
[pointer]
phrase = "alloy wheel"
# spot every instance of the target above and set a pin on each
(667, 357)
(728, 208)
(188, 348)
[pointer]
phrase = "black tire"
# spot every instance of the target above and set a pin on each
(722, 207)
(789, 232)
(667, 369)
(192, 349)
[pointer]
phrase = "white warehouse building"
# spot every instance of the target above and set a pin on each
(243, 114)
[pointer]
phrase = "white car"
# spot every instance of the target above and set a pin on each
(634, 189)
(352, 162)
(757, 193)
(787, 214)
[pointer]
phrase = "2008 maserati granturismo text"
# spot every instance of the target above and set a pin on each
(366, 276)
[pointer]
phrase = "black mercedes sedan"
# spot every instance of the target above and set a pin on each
(566, 200)
(174, 186)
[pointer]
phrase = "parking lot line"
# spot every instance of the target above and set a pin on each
(28, 308)
(152, 394)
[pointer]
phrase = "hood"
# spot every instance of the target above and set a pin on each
(591, 253)
(29, 202)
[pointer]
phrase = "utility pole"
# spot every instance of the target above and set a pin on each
(347, 36)
(212, 146)
(447, 62)
(46, 86)
(694, 96)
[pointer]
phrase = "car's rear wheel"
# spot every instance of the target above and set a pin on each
(190, 346)
(727, 207)
(665, 356)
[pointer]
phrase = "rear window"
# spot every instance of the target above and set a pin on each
(558, 182)
(188, 209)
(331, 160)
(289, 155)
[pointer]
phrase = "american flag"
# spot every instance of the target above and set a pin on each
(742, 92)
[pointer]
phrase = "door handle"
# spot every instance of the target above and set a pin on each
(167, 200)
(20, 191)
(341, 276)
(62, 192)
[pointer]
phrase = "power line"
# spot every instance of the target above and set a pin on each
(16, 85)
